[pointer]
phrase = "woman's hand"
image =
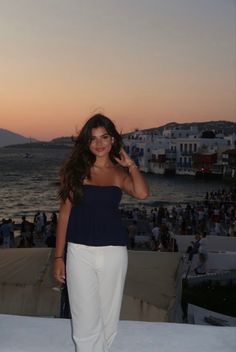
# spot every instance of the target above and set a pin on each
(133, 183)
(124, 160)
(59, 270)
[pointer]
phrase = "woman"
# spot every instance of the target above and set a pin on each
(92, 181)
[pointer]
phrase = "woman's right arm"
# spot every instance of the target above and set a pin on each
(59, 265)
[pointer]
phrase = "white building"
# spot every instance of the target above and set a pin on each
(176, 132)
(163, 157)
(138, 146)
(196, 154)
(180, 151)
(231, 140)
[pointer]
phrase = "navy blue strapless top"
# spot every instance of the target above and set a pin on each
(95, 220)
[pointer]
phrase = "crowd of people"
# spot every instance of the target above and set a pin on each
(40, 229)
(214, 215)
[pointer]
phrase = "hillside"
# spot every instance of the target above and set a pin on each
(10, 138)
(226, 127)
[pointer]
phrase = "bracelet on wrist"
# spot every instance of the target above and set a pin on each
(61, 257)
(130, 164)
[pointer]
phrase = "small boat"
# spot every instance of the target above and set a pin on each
(28, 155)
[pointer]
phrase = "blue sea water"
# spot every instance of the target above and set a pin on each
(30, 184)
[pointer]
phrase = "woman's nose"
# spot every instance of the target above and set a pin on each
(98, 141)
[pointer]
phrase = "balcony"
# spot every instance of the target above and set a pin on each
(187, 152)
(184, 165)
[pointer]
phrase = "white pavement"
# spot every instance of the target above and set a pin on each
(32, 334)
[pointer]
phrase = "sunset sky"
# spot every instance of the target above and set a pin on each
(142, 63)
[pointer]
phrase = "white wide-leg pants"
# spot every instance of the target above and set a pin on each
(95, 280)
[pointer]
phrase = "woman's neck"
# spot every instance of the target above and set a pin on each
(102, 163)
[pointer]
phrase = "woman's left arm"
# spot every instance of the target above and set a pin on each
(133, 182)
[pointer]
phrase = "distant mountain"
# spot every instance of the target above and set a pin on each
(9, 138)
(63, 140)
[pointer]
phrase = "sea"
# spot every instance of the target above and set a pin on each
(29, 183)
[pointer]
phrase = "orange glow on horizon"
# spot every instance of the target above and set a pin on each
(143, 66)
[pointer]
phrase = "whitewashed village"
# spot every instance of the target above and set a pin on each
(183, 151)
(189, 151)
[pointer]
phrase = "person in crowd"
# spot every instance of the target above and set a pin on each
(156, 232)
(193, 248)
(202, 256)
(35, 217)
(51, 231)
(44, 227)
(39, 225)
(12, 238)
(153, 244)
(51, 240)
(54, 218)
(53, 223)
(92, 181)
(26, 230)
(164, 237)
(5, 233)
(132, 232)
(172, 245)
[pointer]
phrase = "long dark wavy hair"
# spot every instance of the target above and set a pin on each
(77, 166)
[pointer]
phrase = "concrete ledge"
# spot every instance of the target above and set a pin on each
(33, 334)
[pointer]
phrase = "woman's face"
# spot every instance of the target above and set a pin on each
(101, 142)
